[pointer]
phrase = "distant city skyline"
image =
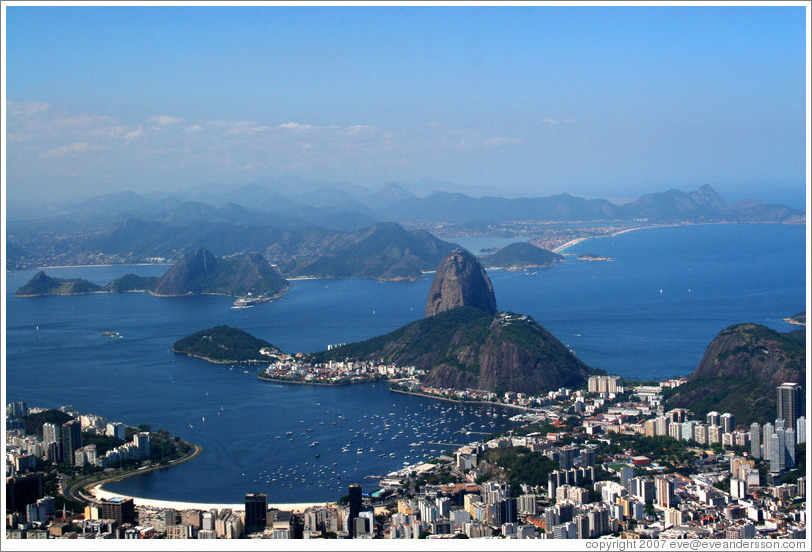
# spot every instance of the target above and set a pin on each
(597, 101)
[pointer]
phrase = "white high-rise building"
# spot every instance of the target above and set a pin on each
(728, 422)
(51, 433)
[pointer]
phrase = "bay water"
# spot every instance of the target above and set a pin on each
(647, 314)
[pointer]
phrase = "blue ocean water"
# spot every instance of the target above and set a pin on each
(649, 313)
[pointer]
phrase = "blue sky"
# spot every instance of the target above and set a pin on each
(595, 101)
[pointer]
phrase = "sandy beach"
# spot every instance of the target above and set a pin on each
(612, 235)
(101, 494)
(570, 243)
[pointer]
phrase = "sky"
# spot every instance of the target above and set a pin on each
(596, 101)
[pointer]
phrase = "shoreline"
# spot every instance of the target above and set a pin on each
(490, 403)
(634, 229)
(794, 322)
(234, 362)
(100, 494)
(295, 382)
(94, 265)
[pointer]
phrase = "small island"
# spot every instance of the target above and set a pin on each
(42, 284)
(593, 257)
(226, 345)
(521, 256)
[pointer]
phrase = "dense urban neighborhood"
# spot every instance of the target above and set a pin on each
(606, 461)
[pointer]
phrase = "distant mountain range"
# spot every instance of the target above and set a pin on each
(326, 229)
(297, 202)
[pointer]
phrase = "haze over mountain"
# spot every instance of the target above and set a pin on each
(337, 234)
(302, 202)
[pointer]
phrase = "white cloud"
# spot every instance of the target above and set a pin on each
(99, 148)
(26, 108)
(295, 126)
(71, 150)
(163, 120)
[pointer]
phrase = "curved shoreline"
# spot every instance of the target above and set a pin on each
(92, 487)
(665, 225)
(207, 359)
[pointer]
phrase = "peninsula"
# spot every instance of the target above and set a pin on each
(226, 345)
(465, 343)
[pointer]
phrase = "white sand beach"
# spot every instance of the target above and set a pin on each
(101, 494)
(569, 243)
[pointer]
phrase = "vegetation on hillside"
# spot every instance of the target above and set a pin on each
(131, 282)
(42, 284)
(224, 344)
(521, 466)
(521, 255)
(34, 422)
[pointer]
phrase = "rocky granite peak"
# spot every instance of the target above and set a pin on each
(460, 281)
(202, 272)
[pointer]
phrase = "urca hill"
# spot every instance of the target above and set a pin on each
(740, 371)
(198, 272)
(463, 342)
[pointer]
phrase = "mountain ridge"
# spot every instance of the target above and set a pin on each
(740, 371)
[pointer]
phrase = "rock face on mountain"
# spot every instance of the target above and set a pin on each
(741, 370)
(202, 272)
(463, 343)
(465, 348)
(460, 281)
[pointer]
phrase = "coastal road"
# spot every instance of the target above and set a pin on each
(75, 490)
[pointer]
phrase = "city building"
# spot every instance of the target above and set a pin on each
(71, 440)
(256, 512)
(355, 508)
(122, 510)
(790, 402)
